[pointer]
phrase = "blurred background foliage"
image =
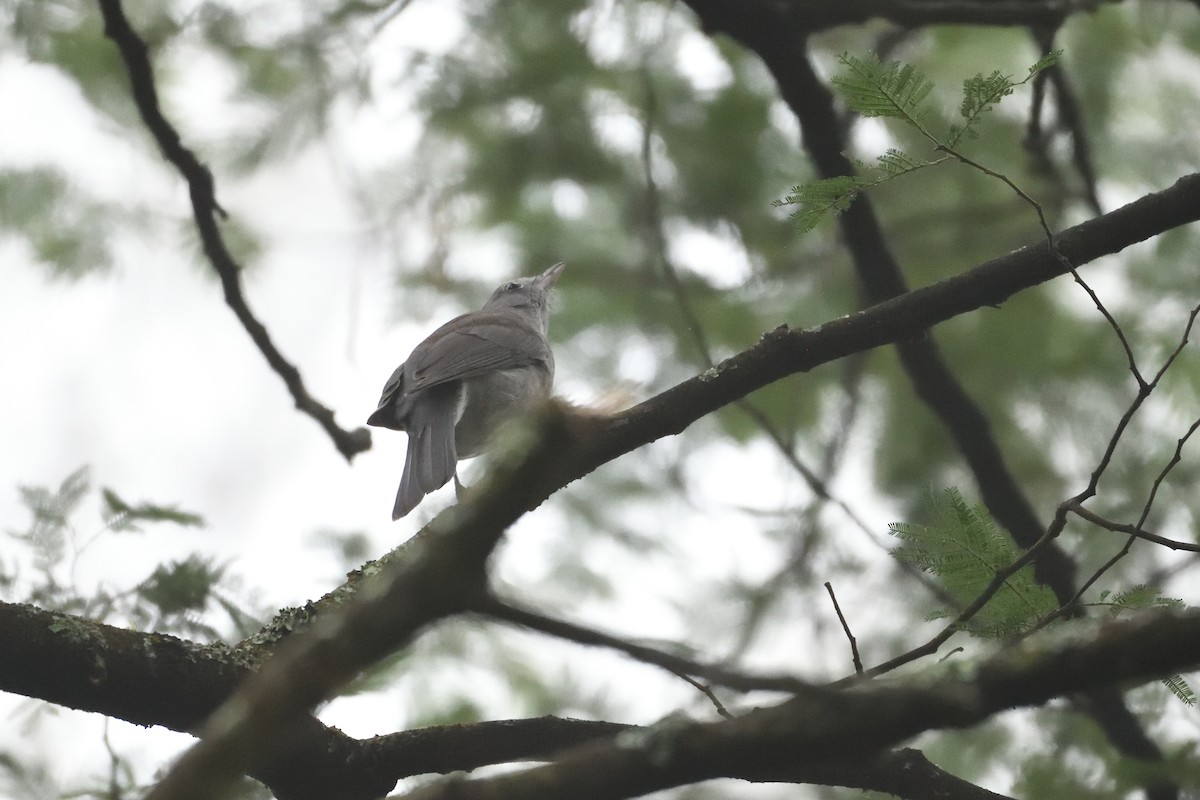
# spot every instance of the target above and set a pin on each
(618, 137)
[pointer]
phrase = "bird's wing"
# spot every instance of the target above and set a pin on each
(393, 387)
(384, 414)
(468, 348)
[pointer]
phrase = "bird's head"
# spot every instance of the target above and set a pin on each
(527, 295)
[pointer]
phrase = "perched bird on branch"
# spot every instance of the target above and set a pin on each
(465, 380)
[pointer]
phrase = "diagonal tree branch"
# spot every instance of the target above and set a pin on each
(205, 211)
(787, 351)
(819, 15)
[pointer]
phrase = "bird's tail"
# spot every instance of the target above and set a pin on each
(432, 458)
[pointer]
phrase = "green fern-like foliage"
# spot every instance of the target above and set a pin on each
(898, 91)
(178, 596)
(979, 95)
(875, 89)
(120, 515)
(1180, 688)
(1139, 598)
(818, 198)
(964, 550)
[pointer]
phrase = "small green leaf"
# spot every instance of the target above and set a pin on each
(875, 89)
(1179, 687)
(819, 198)
(980, 94)
(66, 227)
(181, 586)
(123, 516)
(964, 550)
(895, 163)
(1135, 598)
(1048, 60)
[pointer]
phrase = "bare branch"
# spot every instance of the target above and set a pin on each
(1124, 551)
(819, 15)
(1076, 503)
(858, 667)
(1132, 530)
(822, 724)
(507, 611)
(205, 211)
(153, 679)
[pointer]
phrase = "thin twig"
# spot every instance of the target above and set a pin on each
(1144, 390)
(707, 691)
(1124, 551)
(508, 611)
(858, 667)
(1075, 503)
(1052, 244)
(1132, 530)
(998, 580)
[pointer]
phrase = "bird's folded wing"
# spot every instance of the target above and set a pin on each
(392, 389)
(489, 343)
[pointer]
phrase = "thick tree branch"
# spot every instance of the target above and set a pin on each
(151, 679)
(787, 351)
(144, 678)
(205, 211)
(818, 15)
(823, 724)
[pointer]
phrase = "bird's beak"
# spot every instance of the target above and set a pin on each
(547, 279)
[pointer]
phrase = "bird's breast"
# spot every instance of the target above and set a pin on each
(491, 400)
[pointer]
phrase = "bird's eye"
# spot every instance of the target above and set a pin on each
(511, 286)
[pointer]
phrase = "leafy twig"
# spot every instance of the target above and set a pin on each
(999, 580)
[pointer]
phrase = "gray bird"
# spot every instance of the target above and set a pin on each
(465, 380)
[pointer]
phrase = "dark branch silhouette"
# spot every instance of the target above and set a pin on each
(821, 724)
(205, 211)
